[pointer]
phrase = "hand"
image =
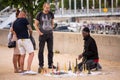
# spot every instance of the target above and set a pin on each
(41, 33)
(80, 56)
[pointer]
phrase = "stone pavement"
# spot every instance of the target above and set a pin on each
(110, 68)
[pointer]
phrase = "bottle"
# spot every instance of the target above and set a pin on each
(84, 68)
(73, 68)
(65, 68)
(76, 67)
(69, 66)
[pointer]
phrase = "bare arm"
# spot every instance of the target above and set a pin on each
(52, 23)
(30, 29)
(36, 24)
(12, 31)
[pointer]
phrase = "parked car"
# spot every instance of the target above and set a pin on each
(62, 29)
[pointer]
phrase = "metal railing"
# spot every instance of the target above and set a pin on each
(83, 12)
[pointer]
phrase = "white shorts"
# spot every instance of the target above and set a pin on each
(25, 45)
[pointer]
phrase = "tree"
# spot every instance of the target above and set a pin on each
(52, 7)
(78, 4)
(3, 5)
(30, 6)
(66, 4)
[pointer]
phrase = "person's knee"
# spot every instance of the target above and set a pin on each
(89, 62)
(41, 51)
(22, 60)
(22, 57)
(91, 65)
(50, 51)
(16, 54)
(31, 54)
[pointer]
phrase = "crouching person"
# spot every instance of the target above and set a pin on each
(90, 54)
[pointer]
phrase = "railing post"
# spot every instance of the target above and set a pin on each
(81, 4)
(62, 6)
(112, 6)
(87, 6)
(70, 6)
(100, 6)
(74, 6)
(93, 3)
(104, 3)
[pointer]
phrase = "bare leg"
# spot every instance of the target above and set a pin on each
(18, 61)
(30, 59)
(15, 59)
(22, 57)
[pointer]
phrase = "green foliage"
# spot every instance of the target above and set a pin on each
(52, 7)
(30, 6)
(72, 4)
(66, 5)
(78, 4)
(118, 3)
(3, 4)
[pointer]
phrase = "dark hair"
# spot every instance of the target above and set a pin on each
(86, 29)
(17, 12)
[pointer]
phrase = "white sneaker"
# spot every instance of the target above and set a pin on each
(30, 72)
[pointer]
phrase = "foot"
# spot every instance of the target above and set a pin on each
(21, 71)
(16, 71)
(30, 72)
(40, 69)
(98, 67)
(50, 67)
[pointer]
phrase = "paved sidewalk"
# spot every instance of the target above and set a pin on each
(111, 69)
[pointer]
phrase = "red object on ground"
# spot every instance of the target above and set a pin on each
(96, 60)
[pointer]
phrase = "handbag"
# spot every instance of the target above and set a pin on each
(12, 44)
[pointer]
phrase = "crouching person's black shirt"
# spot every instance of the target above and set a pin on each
(90, 49)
